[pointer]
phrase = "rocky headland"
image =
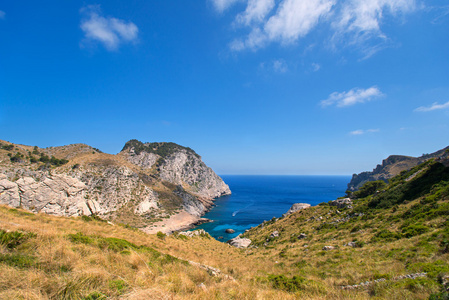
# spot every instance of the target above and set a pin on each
(151, 186)
(392, 166)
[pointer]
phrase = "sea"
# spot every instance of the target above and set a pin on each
(258, 198)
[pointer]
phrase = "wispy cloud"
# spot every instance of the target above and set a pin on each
(434, 106)
(293, 19)
(441, 13)
(354, 96)
(315, 67)
(280, 66)
(2, 14)
(222, 5)
(359, 23)
(255, 12)
(361, 131)
(286, 21)
(109, 31)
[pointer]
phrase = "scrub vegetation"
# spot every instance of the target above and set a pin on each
(391, 230)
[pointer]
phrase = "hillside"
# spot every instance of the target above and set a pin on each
(144, 186)
(390, 243)
(391, 167)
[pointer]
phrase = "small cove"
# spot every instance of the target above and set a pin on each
(256, 198)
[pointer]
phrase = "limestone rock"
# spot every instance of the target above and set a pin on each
(9, 193)
(198, 232)
(341, 203)
(183, 167)
(229, 230)
(296, 207)
(302, 236)
(274, 234)
(351, 244)
(240, 242)
(327, 248)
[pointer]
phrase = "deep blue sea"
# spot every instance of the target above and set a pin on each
(255, 199)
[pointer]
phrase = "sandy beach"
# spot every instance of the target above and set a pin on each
(181, 221)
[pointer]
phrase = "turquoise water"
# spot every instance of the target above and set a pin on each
(255, 199)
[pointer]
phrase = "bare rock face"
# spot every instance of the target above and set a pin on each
(9, 193)
(58, 195)
(184, 167)
(296, 207)
(143, 159)
(239, 242)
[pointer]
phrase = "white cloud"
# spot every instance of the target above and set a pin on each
(280, 66)
(2, 14)
(354, 96)
(256, 39)
(111, 32)
(315, 67)
(222, 5)
(295, 19)
(361, 131)
(359, 22)
(286, 21)
(256, 11)
(434, 106)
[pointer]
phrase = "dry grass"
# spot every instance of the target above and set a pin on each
(90, 263)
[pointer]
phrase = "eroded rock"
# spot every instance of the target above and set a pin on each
(239, 242)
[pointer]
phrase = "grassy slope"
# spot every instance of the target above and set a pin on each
(400, 232)
(81, 258)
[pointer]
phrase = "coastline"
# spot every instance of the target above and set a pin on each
(179, 222)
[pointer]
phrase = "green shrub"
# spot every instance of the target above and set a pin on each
(161, 235)
(168, 259)
(433, 269)
(162, 149)
(386, 236)
(119, 285)
(113, 244)
(440, 296)
(8, 147)
(401, 190)
(300, 264)
(95, 296)
(13, 239)
(369, 188)
(17, 260)
(281, 282)
(414, 230)
(80, 238)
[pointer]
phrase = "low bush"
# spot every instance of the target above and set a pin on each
(386, 236)
(281, 282)
(414, 230)
(17, 260)
(13, 239)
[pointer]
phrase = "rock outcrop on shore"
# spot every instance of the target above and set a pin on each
(142, 184)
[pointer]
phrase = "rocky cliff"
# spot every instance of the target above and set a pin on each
(143, 184)
(391, 167)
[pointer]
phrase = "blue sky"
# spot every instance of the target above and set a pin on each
(255, 87)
